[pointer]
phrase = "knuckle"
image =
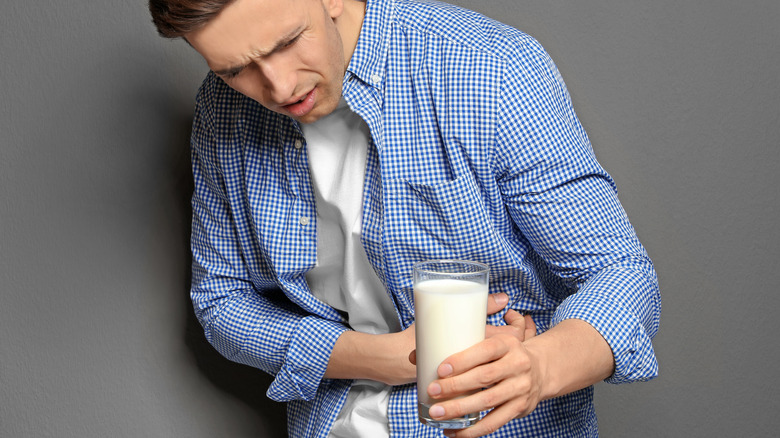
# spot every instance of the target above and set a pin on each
(521, 362)
(487, 376)
(521, 407)
(456, 408)
(490, 399)
(490, 345)
(522, 387)
(497, 346)
(448, 385)
(490, 425)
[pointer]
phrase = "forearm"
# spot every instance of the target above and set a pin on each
(384, 358)
(572, 355)
(253, 330)
(623, 305)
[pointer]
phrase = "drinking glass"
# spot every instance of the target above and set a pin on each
(450, 307)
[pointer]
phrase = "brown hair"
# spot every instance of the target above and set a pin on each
(176, 18)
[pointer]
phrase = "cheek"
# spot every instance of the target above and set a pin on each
(249, 85)
(239, 84)
(325, 55)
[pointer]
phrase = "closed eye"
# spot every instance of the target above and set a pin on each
(230, 73)
(292, 41)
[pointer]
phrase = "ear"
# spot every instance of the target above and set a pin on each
(334, 7)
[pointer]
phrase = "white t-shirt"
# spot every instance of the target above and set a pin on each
(337, 145)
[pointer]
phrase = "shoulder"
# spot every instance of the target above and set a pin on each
(215, 98)
(463, 27)
(222, 110)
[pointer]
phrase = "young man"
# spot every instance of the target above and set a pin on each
(338, 142)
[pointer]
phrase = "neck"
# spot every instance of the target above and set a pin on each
(349, 24)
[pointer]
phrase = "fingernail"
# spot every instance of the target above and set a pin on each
(501, 298)
(434, 389)
(445, 370)
(436, 411)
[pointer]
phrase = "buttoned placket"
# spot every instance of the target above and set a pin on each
(301, 218)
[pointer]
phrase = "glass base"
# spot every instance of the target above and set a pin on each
(453, 423)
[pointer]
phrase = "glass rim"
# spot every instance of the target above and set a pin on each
(482, 267)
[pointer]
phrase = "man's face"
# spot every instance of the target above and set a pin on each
(286, 54)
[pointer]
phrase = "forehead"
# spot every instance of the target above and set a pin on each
(245, 27)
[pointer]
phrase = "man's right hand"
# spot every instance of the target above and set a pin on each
(390, 358)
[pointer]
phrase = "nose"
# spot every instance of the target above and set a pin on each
(278, 81)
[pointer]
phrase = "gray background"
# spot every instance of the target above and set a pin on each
(681, 100)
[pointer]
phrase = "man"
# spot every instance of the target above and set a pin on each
(336, 143)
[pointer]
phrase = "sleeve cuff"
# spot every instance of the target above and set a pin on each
(623, 306)
(306, 361)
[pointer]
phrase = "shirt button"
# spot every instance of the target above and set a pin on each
(303, 220)
(376, 79)
(298, 144)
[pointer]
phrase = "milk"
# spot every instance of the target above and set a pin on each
(450, 316)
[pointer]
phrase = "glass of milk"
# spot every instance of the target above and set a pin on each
(450, 306)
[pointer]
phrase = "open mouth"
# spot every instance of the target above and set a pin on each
(302, 106)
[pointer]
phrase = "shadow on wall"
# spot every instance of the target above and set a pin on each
(243, 382)
(240, 381)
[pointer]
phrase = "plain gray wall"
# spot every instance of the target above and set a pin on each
(681, 101)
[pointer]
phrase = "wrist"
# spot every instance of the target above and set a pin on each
(383, 358)
(539, 350)
(569, 357)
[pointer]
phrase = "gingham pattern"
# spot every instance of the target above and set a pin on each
(476, 154)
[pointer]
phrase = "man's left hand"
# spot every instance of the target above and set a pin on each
(510, 375)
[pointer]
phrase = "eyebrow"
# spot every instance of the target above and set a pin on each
(280, 43)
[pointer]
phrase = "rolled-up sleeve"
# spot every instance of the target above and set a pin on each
(584, 237)
(566, 206)
(247, 319)
(622, 305)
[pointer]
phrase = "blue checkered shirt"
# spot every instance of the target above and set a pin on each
(476, 153)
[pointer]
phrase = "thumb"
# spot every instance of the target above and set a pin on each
(522, 323)
(496, 302)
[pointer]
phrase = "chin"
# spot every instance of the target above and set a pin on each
(317, 113)
(309, 118)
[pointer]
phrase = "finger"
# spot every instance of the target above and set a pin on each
(515, 319)
(506, 400)
(483, 377)
(477, 401)
(522, 327)
(483, 352)
(480, 366)
(530, 327)
(496, 302)
(495, 419)
(511, 398)
(523, 323)
(492, 330)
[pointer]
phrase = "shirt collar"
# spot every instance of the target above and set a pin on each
(370, 56)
